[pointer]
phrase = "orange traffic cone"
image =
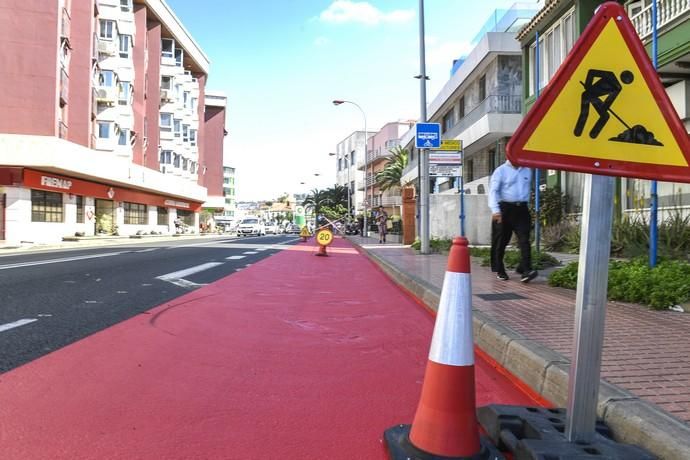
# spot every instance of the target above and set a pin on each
(445, 424)
(322, 251)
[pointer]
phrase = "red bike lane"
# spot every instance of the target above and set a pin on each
(295, 357)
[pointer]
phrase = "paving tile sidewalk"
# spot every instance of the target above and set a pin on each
(646, 352)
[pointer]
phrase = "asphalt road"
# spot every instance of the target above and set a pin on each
(49, 299)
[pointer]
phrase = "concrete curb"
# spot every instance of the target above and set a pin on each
(632, 420)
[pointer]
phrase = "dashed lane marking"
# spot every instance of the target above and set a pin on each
(21, 322)
(177, 278)
(235, 257)
(250, 252)
(58, 261)
(147, 250)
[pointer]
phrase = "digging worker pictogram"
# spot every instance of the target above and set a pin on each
(601, 89)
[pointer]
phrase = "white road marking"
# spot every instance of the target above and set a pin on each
(44, 315)
(148, 250)
(250, 252)
(235, 257)
(177, 278)
(122, 292)
(262, 249)
(21, 322)
(58, 261)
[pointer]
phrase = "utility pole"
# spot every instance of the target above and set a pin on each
(423, 157)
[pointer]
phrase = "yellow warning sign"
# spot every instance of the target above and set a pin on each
(620, 106)
(324, 237)
(304, 232)
(605, 111)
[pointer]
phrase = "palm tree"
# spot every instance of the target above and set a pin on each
(316, 200)
(338, 195)
(392, 171)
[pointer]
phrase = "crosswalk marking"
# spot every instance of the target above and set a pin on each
(250, 252)
(235, 257)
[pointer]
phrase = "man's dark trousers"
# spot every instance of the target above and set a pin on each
(515, 217)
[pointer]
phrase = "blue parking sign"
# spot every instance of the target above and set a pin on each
(428, 135)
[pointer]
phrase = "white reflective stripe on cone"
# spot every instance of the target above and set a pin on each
(452, 342)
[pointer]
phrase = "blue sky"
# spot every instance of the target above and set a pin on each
(282, 62)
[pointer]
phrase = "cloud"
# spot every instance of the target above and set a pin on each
(320, 42)
(342, 11)
(443, 53)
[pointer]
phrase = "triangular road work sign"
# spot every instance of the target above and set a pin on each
(605, 111)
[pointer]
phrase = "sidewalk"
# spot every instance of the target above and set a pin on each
(296, 357)
(529, 329)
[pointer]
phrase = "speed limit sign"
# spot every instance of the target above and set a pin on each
(324, 237)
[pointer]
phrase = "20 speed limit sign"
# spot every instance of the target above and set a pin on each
(324, 237)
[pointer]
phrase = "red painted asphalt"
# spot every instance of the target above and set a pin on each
(295, 357)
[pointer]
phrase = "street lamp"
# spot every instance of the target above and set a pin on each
(349, 190)
(366, 144)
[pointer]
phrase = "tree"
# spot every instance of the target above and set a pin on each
(392, 172)
(316, 200)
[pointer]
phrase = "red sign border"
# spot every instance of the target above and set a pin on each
(518, 155)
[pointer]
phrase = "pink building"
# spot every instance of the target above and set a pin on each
(103, 121)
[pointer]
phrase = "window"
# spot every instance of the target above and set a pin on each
(176, 160)
(104, 129)
(178, 91)
(107, 29)
(469, 170)
(352, 158)
(126, 6)
(80, 209)
(192, 137)
(166, 121)
(177, 127)
(448, 120)
(167, 47)
(162, 214)
(179, 56)
(123, 138)
(125, 45)
(554, 45)
(482, 88)
(192, 167)
(340, 164)
(135, 213)
(185, 133)
(46, 206)
(166, 82)
(125, 93)
(461, 106)
(185, 164)
(166, 157)
(194, 103)
(185, 99)
(106, 78)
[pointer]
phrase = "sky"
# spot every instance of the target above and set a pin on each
(281, 63)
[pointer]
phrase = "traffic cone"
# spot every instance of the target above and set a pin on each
(445, 424)
(322, 251)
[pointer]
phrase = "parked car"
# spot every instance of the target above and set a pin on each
(271, 228)
(293, 229)
(251, 226)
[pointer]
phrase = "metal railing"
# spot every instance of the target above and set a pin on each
(492, 104)
(667, 12)
(64, 86)
(62, 130)
(65, 23)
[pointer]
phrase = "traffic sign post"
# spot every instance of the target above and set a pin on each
(606, 113)
(324, 238)
(428, 135)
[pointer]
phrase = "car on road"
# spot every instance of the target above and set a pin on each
(271, 228)
(292, 229)
(251, 226)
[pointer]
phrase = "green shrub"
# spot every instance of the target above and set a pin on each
(634, 281)
(512, 258)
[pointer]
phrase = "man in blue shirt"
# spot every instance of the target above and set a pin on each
(509, 194)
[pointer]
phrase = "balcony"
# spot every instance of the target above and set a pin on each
(95, 47)
(94, 103)
(391, 200)
(107, 47)
(106, 95)
(92, 144)
(668, 11)
(494, 104)
(65, 24)
(64, 87)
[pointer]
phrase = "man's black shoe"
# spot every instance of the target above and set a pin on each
(502, 277)
(529, 276)
(519, 271)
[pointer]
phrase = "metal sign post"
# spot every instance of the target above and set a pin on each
(590, 307)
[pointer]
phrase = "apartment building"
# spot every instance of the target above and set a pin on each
(349, 158)
(230, 205)
(558, 25)
(103, 123)
(378, 153)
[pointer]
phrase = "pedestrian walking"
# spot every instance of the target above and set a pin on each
(382, 221)
(509, 193)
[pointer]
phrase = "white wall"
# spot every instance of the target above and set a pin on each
(445, 217)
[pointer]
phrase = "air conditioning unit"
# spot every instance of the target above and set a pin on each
(106, 47)
(105, 96)
(166, 95)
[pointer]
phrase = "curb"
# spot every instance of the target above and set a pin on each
(632, 420)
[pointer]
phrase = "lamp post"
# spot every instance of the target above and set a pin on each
(365, 233)
(349, 190)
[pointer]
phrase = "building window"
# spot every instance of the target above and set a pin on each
(469, 168)
(166, 82)
(178, 91)
(46, 206)
(167, 47)
(352, 158)
(107, 29)
(80, 209)
(185, 164)
(176, 160)
(126, 6)
(192, 137)
(179, 56)
(123, 138)
(340, 164)
(192, 167)
(162, 214)
(554, 45)
(185, 99)
(125, 46)
(125, 92)
(177, 127)
(135, 213)
(482, 88)
(106, 78)
(461, 107)
(166, 157)
(185, 133)
(104, 129)
(194, 104)
(449, 120)
(186, 216)
(166, 121)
